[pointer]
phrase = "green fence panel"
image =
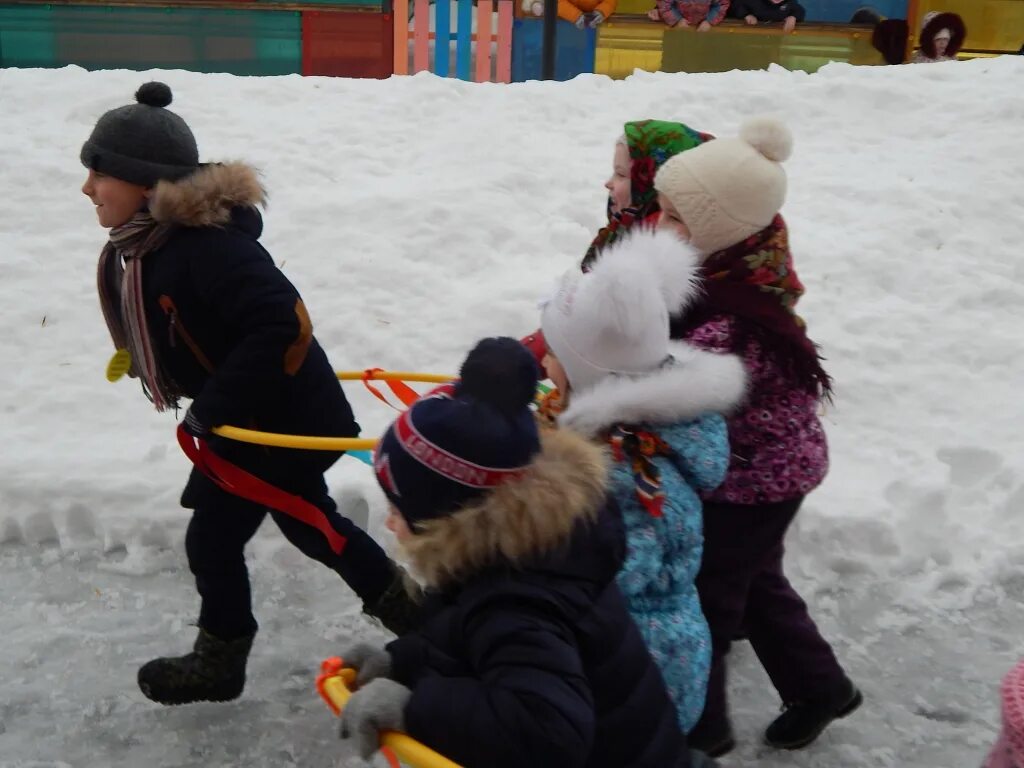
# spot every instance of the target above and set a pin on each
(809, 49)
(242, 42)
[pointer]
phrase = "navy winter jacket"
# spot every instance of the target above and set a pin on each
(233, 332)
(534, 660)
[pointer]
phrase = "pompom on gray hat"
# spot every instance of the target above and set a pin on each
(142, 143)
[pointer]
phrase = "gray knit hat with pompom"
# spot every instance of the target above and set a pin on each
(142, 143)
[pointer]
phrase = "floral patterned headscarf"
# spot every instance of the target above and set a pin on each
(650, 143)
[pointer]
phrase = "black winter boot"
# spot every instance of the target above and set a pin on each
(398, 608)
(214, 671)
(713, 739)
(803, 721)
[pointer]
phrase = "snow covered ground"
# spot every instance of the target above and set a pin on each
(417, 215)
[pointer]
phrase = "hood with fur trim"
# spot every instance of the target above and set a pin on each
(208, 197)
(933, 23)
(521, 523)
(692, 384)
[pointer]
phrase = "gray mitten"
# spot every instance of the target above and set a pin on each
(380, 706)
(369, 662)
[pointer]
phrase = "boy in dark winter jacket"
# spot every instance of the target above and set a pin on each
(526, 655)
(192, 297)
(788, 12)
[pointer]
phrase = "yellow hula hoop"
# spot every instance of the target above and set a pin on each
(314, 443)
(307, 442)
(334, 688)
(426, 378)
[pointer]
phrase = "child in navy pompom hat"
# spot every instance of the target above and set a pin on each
(463, 439)
(526, 653)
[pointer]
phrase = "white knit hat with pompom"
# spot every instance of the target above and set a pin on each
(728, 189)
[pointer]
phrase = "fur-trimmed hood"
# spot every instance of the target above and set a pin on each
(694, 383)
(521, 523)
(209, 196)
(933, 23)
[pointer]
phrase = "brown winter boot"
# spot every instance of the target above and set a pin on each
(398, 608)
(214, 671)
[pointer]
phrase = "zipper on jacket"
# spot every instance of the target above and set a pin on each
(176, 329)
(171, 337)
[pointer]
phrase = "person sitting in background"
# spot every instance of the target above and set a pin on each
(582, 13)
(942, 37)
(889, 36)
(789, 12)
(702, 14)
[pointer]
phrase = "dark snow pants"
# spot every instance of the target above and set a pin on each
(221, 525)
(743, 590)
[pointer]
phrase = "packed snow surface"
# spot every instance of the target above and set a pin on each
(417, 215)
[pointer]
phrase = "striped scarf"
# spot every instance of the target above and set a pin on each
(640, 447)
(119, 281)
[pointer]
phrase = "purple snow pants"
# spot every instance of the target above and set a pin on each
(744, 591)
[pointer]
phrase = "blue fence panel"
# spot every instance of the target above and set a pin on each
(574, 52)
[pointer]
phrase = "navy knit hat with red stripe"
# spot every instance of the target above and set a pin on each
(463, 439)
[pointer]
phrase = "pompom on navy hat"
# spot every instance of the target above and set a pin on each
(463, 439)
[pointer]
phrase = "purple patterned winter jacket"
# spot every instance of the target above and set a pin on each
(778, 446)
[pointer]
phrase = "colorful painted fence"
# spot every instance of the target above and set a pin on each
(218, 39)
(482, 41)
(574, 50)
(242, 38)
(347, 43)
(470, 45)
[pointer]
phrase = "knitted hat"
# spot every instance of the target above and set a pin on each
(463, 439)
(614, 320)
(142, 143)
(727, 190)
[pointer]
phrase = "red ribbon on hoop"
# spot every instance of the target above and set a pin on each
(245, 485)
(399, 389)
